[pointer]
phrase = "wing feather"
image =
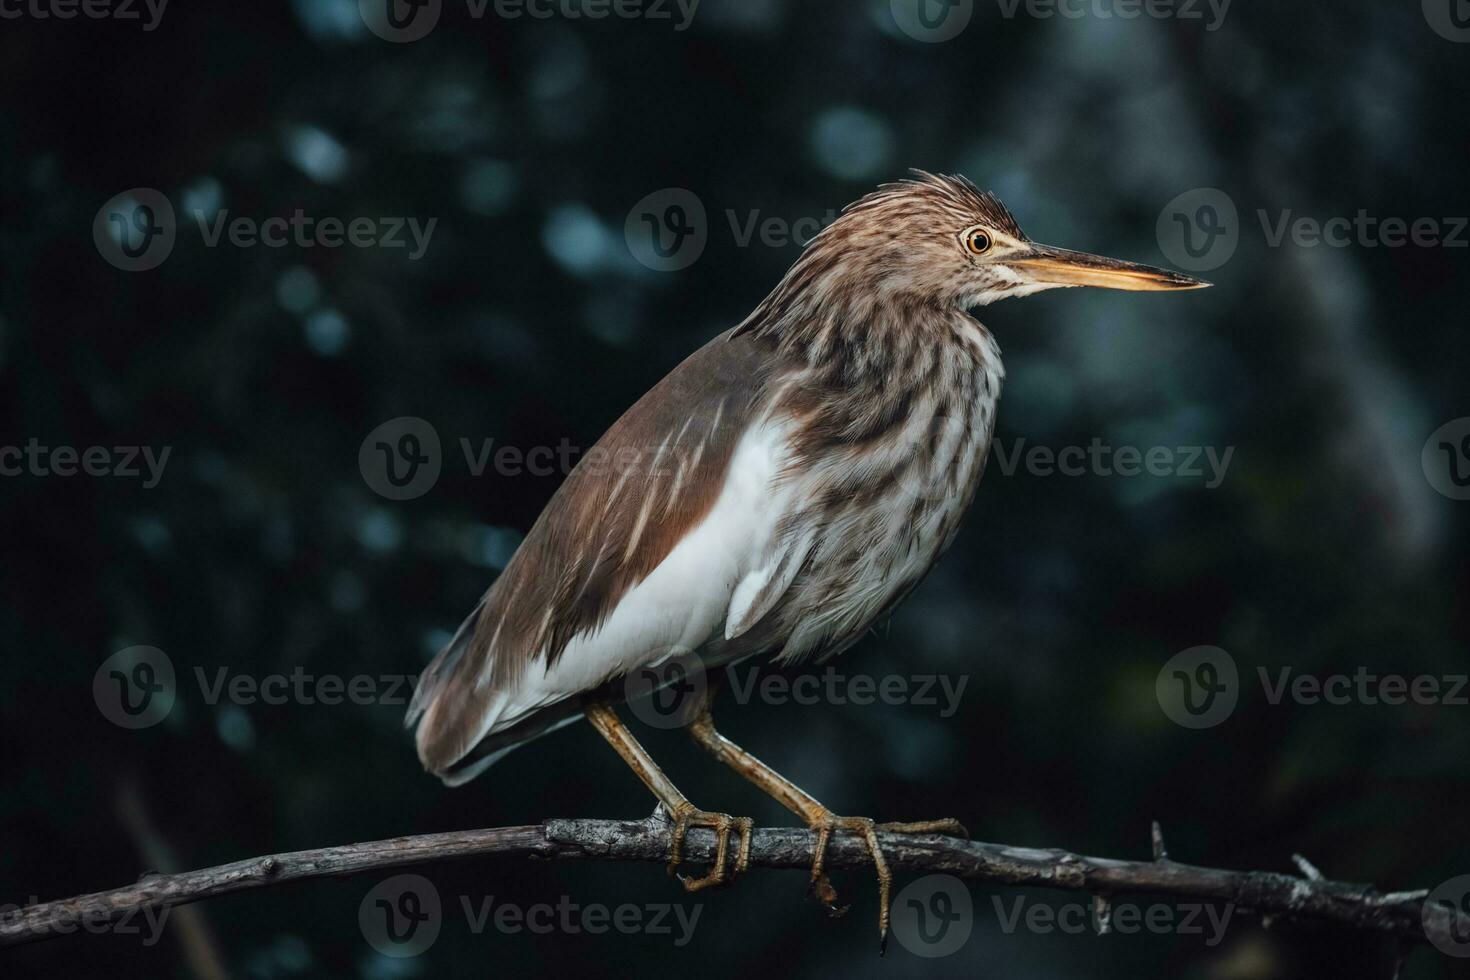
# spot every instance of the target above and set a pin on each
(580, 601)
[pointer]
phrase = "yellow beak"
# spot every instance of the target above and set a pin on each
(1063, 267)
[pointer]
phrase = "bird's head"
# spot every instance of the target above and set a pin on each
(941, 240)
(936, 242)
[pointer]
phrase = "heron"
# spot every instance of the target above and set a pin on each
(778, 492)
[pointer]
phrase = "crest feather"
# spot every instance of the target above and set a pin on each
(954, 192)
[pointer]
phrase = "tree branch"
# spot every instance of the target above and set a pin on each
(1276, 897)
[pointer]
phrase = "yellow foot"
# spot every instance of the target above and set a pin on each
(720, 872)
(827, 822)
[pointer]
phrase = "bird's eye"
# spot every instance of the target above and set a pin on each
(978, 242)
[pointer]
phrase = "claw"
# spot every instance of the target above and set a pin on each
(719, 873)
(820, 886)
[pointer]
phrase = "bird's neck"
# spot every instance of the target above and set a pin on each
(864, 367)
(863, 336)
(861, 333)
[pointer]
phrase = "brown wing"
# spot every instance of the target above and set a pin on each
(651, 478)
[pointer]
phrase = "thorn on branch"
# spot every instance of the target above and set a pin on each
(1161, 853)
(1307, 868)
(1399, 959)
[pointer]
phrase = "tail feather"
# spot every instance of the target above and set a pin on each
(452, 710)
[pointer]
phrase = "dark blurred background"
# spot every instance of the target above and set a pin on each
(264, 548)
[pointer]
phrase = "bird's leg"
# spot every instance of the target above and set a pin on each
(820, 819)
(684, 813)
